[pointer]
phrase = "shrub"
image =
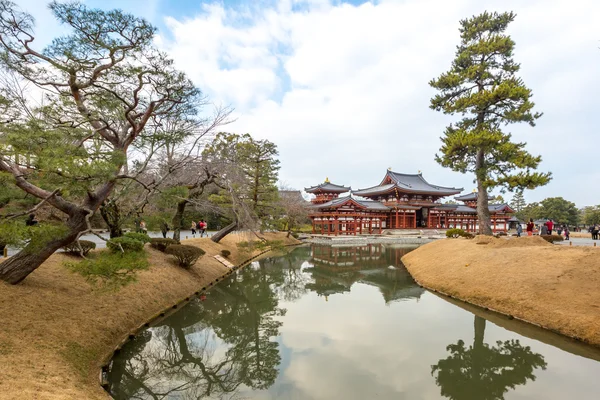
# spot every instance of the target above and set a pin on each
(126, 243)
(84, 246)
(142, 237)
(161, 244)
(455, 232)
(110, 270)
(225, 253)
(552, 238)
(186, 255)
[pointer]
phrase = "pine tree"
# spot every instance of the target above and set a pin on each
(482, 86)
(518, 201)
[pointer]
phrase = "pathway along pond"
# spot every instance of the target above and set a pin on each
(337, 323)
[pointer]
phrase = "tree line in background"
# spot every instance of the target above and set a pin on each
(100, 128)
(555, 208)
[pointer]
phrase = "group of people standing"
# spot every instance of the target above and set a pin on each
(545, 229)
(595, 231)
(199, 226)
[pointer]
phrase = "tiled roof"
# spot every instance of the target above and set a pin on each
(367, 204)
(470, 197)
(460, 208)
(412, 183)
(327, 187)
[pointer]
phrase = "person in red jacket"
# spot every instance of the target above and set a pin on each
(550, 225)
(530, 226)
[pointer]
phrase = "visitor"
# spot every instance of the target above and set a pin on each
(530, 226)
(595, 232)
(164, 229)
(550, 225)
(31, 221)
(559, 230)
(544, 229)
(193, 227)
(519, 229)
(566, 230)
(203, 226)
(143, 227)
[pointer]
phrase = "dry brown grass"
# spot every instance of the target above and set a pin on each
(56, 329)
(553, 286)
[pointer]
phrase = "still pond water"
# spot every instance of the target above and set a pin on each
(337, 323)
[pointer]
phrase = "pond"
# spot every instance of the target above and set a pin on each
(325, 322)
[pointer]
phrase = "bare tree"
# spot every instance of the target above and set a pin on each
(103, 83)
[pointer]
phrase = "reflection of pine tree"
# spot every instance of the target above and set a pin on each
(482, 372)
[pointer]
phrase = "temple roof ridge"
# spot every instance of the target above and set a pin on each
(328, 187)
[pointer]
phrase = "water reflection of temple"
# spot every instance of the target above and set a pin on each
(336, 268)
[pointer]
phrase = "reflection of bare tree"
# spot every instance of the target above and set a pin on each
(210, 348)
(485, 372)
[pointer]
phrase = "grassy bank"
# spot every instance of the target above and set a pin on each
(57, 329)
(555, 287)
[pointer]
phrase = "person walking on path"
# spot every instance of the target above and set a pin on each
(550, 225)
(567, 233)
(202, 225)
(530, 226)
(519, 229)
(595, 232)
(193, 227)
(164, 229)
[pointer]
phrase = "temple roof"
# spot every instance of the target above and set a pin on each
(469, 197)
(410, 183)
(340, 201)
(460, 208)
(327, 187)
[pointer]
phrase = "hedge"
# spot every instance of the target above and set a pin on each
(125, 244)
(161, 244)
(186, 255)
(455, 232)
(142, 237)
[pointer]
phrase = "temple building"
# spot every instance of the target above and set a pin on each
(400, 201)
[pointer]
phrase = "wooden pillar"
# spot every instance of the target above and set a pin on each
(313, 225)
(404, 218)
(494, 224)
(370, 225)
(380, 224)
(415, 220)
(397, 220)
(360, 222)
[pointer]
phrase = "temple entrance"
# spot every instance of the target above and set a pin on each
(421, 218)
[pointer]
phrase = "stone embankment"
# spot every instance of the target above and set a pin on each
(57, 330)
(555, 287)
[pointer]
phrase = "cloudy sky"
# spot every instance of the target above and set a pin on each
(342, 86)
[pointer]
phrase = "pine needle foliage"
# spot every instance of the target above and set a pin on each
(483, 87)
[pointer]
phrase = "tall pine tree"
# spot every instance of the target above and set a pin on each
(518, 201)
(482, 86)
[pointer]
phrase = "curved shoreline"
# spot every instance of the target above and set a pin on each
(59, 331)
(168, 311)
(518, 279)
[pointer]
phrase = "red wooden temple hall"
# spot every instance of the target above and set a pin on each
(400, 201)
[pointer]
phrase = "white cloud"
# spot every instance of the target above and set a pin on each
(342, 89)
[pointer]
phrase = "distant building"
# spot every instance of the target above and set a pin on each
(400, 201)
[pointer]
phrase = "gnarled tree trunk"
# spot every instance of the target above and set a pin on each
(178, 220)
(224, 232)
(112, 216)
(19, 266)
